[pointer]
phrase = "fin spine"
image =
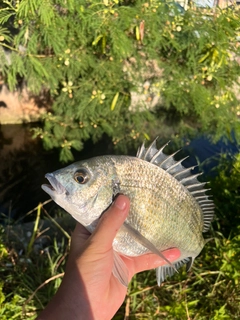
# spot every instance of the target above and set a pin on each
(183, 175)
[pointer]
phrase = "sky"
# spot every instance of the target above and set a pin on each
(204, 3)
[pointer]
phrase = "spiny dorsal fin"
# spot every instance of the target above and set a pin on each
(183, 175)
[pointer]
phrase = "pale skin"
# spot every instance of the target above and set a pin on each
(89, 290)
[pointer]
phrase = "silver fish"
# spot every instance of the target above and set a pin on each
(169, 206)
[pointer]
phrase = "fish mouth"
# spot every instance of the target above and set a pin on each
(54, 187)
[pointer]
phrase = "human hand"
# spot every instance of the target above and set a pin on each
(89, 289)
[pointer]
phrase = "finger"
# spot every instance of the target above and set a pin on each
(79, 238)
(152, 261)
(110, 223)
(80, 233)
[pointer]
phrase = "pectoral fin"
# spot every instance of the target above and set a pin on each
(120, 270)
(146, 243)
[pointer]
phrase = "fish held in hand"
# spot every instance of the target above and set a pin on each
(169, 206)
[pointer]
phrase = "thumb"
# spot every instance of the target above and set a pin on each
(110, 222)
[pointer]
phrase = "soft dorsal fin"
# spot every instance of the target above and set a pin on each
(183, 175)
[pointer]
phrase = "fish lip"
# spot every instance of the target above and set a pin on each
(54, 187)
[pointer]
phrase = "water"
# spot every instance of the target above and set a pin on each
(24, 163)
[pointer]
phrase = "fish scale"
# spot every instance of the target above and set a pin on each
(169, 206)
(132, 176)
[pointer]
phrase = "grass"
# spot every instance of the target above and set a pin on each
(211, 290)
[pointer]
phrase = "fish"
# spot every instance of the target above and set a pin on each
(169, 207)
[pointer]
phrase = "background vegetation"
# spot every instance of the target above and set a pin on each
(88, 57)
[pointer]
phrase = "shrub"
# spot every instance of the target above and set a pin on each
(91, 56)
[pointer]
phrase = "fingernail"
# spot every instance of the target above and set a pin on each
(120, 203)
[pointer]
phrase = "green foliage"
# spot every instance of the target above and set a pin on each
(10, 308)
(21, 279)
(226, 187)
(90, 56)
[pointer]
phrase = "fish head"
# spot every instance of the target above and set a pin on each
(84, 189)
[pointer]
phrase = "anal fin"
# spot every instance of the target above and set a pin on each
(163, 271)
(189, 263)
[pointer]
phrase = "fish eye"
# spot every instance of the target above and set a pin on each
(81, 176)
